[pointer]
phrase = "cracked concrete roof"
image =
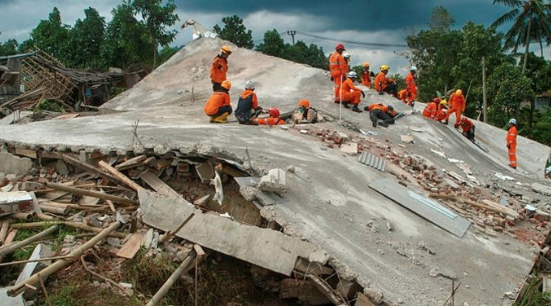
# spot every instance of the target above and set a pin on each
(329, 202)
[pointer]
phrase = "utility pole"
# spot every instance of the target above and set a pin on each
(484, 100)
(292, 33)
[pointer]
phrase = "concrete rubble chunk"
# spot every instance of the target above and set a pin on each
(350, 148)
(407, 138)
(540, 188)
(274, 181)
(6, 300)
(15, 201)
(11, 164)
(41, 251)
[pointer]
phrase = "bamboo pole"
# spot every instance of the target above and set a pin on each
(33, 280)
(32, 260)
(17, 245)
(54, 209)
(120, 177)
(23, 216)
(78, 225)
(4, 231)
(90, 193)
(184, 267)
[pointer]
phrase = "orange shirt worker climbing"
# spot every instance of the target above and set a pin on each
(512, 143)
(337, 68)
(219, 68)
(457, 103)
(350, 93)
(218, 107)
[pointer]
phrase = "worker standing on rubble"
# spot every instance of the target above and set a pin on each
(468, 128)
(219, 68)
(337, 68)
(367, 75)
(512, 143)
(218, 107)
(431, 108)
(411, 86)
(350, 93)
(274, 118)
(381, 112)
(457, 103)
(384, 84)
(247, 106)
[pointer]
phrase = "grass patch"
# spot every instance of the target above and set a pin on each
(533, 296)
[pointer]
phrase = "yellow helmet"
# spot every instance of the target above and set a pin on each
(384, 67)
(226, 49)
(365, 65)
(443, 102)
(459, 92)
(226, 84)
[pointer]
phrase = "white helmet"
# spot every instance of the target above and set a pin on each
(413, 68)
(345, 55)
(249, 85)
(513, 121)
(352, 74)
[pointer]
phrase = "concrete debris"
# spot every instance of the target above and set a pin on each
(11, 164)
(350, 148)
(454, 161)
(375, 295)
(274, 181)
(540, 188)
(407, 138)
(15, 201)
(416, 129)
(502, 177)
(6, 300)
(219, 193)
(40, 251)
(441, 154)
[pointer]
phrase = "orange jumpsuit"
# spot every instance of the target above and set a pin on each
(351, 93)
(218, 69)
(216, 101)
(403, 95)
(337, 66)
(268, 121)
(430, 110)
(440, 114)
(512, 145)
(457, 106)
(366, 78)
(411, 87)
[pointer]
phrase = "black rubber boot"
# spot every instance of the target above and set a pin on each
(382, 123)
(356, 109)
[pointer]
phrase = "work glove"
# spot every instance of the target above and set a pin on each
(363, 94)
(332, 80)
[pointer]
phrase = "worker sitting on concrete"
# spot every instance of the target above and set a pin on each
(247, 107)
(468, 128)
(305, 113)
(218, 107)
(274, 118)
(367, 75)
(219, 68)
(384, 84)
(457, 104)
(351, 94)
(380, 112)
(404, 96)
(431, 108)
(441, 110)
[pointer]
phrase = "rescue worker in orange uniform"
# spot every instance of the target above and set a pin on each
(441, 110)
(381, 112)
(305, 113)
(272, 120)
(346, 57)
(411, 86)
(247, 107)
(384, 84)
(457, 103)
(350, 93)
(431, 108)
(219, 68)
(404, 96)
(512, 143)
(468, 128)
(337, 68)
(367, 75)
(218, 107)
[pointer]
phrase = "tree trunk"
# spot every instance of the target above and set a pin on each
(527, 42)
(484, 96)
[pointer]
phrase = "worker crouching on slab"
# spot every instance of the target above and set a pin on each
(247, 107)
(350, 93)
(218, 107)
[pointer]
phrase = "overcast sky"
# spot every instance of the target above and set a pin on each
(374, 21)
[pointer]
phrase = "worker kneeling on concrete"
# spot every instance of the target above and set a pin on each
(350, 93)
(432, 108)
(305, 113)
(274, 118)
(247, 106)
(468, 128)
(218, 107)
(384, 84)
(380, 112)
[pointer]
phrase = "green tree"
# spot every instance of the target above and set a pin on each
(273, 44)
(9, 47)
(236, 32)
(86, 41)
(157, 18)
(126, 39)
(531, 22)
(51, 36)
(440, 19)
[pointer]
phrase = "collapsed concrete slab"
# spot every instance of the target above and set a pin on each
(266, 248)
(11, 164)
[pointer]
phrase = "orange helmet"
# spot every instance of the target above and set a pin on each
(226, 49)
(436, 100)
(304, 103)
(339, 47)
(365, 65)
(274, 112)
(226, 84)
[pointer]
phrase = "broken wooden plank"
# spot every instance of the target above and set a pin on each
(146, 162)
(131, 247)
(14, 202)
(131, 162)
(422, 206)
(325, 289)
(4, 231)
(263, 247)
(96, 194)
(25, 152)
(158, 185)
(87, 167)
(120, 177)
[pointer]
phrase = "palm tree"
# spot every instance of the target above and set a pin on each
(531, 22)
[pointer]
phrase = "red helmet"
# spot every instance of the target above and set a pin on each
(274, 112)
(339, 47)
(436, 100)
